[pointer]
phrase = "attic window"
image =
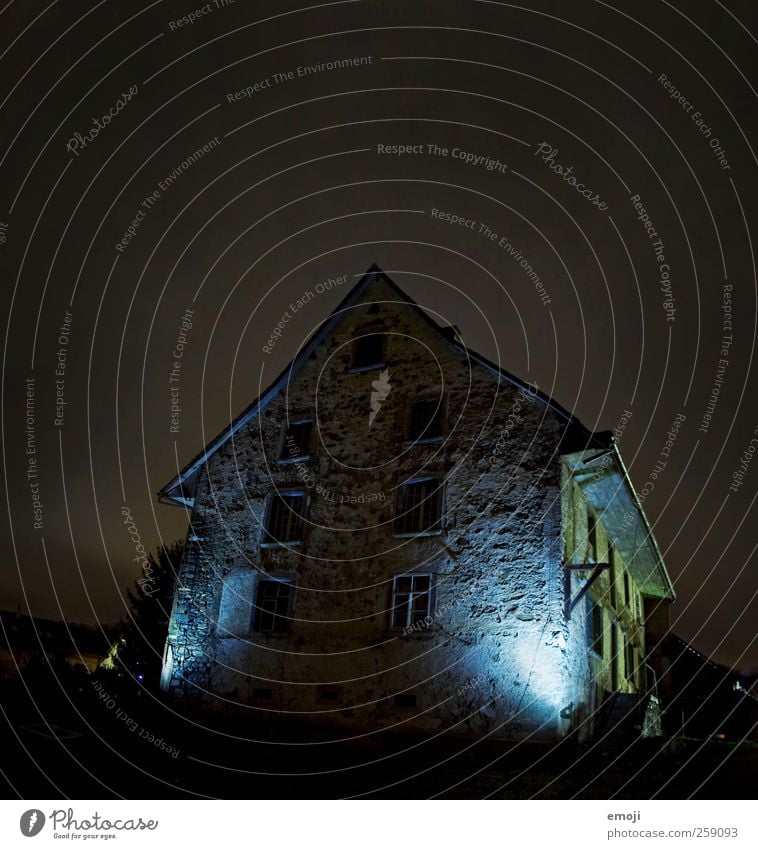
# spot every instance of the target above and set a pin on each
(296, 444)
(426, 420)
(368, 352)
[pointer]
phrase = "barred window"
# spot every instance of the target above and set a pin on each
(285, 519)
(419, 507)
(296, 444)
(426, 420)
(411, 600)
(273, 605)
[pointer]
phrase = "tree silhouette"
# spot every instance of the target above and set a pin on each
(144, 634)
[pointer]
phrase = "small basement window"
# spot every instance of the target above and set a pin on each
(262, 693)
(368, 352)
(296, 444)
(327, 695)
(426, 420)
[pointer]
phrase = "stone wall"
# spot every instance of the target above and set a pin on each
(498, 657)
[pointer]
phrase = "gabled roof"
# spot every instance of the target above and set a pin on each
(615, 495)
(180, 490)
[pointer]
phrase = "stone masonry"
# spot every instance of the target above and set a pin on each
(497, 653)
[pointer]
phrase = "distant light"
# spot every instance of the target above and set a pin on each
(139, 677)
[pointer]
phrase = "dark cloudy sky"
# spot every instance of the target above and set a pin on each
(293, 189)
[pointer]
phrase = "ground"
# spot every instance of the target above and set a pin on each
(135, 748)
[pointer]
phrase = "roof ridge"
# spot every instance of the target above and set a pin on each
(373, 275)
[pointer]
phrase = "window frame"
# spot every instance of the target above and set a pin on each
(411, 618)
(592, 534)
(258, 611)
(439, 416)
(400, 514)
(355, 367)
(612, 587)
(596, 635)
(268, 539)
(284, 456)
(630, 668)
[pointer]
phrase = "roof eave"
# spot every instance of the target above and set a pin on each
(610, 492)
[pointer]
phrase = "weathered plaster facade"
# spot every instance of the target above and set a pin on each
(497, 653)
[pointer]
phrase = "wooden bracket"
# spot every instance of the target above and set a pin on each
(595, 568)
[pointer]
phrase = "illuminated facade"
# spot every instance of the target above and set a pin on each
(398, 533)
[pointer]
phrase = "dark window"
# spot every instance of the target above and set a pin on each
(627, 594)
(273, 607)
(614, 657)
(596, 627)
(297, 441)
(426, 419)
(262, 693)
(612, 576)
(407, 700)
(369, 351)
(324, 695)
(419, 507)
(411, 597)
(285, 519)
(628, 659)
(592, 536)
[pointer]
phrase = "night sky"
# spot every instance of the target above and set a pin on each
(159, 173)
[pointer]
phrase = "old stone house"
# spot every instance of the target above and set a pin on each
(399, 533)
